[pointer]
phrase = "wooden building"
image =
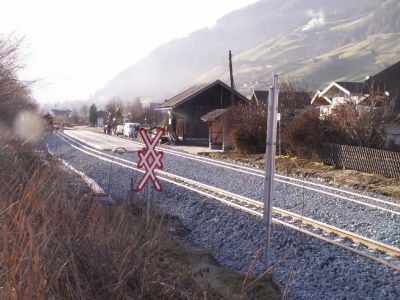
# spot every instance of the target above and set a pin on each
(219, 131)
(61, 115)
(186, 109)
(386, 84)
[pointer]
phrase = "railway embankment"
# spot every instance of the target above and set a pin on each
(306, 267)
(309, 169)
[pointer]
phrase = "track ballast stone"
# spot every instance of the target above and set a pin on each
(310, 268)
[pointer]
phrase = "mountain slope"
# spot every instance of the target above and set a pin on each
(348, 48)
(181, 62)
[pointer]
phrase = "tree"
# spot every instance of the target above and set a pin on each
(93, 115)
(119, 117)
(112, 107)
(85, 110)
(136, 111)
(75, 116)
(15, 94)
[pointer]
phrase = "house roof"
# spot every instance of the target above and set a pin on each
(192, 92)
(260, 96)
(390, 71)
(320, 99)
(102, 114)
(213, 115)
(61, 112)
(346, 87)
(354, 87)
(284, 96)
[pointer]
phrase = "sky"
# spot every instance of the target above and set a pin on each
(72, 48)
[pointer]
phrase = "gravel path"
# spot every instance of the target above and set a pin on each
(314, 270)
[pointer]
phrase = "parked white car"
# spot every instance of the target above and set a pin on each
(119, 130)
(131, 129)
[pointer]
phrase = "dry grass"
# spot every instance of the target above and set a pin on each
(57, 244)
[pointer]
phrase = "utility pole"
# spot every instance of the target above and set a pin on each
(270, 166)
(231, 76)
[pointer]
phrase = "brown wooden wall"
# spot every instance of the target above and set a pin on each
(214, 98)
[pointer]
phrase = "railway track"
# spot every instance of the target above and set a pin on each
(384, 205)
(355, 243)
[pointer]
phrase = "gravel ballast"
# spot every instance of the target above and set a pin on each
(312, 269)
(370, 222)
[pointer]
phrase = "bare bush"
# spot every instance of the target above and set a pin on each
(249, 121)
(294, 97)
(249, 126)
(348, 124)
(15, 94)
(365, 125)
(303, 133)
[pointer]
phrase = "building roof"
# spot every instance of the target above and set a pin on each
(338, 88)
(390, 71)
(343, 87)
(318, 99)
(193, 92)
(260, 96)
(102, 114)
(213, 115)
(61, 112)
(354, 87)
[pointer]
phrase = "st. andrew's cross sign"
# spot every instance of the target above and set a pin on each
(150, 159)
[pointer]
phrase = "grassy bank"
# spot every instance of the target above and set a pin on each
(305, 168)
(59, 242)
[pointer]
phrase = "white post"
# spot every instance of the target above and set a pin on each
(270, 165)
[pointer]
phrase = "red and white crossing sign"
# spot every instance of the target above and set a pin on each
(150, 159)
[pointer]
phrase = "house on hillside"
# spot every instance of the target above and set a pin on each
(340, 93)
(374, 91)
(186, 109)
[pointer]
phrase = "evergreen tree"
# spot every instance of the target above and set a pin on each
(119, 117)
(93, 115)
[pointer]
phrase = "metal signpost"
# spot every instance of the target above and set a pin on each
(270, 165)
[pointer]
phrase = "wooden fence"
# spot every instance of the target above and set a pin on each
(376, 161)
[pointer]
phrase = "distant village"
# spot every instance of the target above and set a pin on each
(199, 114)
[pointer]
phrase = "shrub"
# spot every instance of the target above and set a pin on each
(307, 131)
(249, 126)
(15, 94)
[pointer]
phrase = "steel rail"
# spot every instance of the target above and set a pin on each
(295, 184)
(255, 207)
(259, 173)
